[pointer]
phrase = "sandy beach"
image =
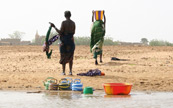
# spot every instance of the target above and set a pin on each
(148, 68)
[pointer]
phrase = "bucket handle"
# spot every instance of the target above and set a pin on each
(63, 79)
(69, 79)
(51, 78)
(77, 80)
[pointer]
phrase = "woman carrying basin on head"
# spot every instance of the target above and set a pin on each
(97, 34)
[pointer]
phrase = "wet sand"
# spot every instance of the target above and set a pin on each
(148, 68)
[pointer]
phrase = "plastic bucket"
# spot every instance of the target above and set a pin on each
(88, 90)
(70, 81)
(117, 88)
(48, 82)
(99, 15)
(77, 85)
(53, 86)
(64, 84)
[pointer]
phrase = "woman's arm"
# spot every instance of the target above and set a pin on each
(93, 16)
(57, 30)
(52, 25)
(104, 19)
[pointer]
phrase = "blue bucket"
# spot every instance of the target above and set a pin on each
(77, 85)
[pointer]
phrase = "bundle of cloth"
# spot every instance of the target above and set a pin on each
(94, 72)
(97, 34)
(48, 42)
(66, 49)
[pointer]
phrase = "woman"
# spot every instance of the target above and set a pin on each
(97, 35)
(67, 46)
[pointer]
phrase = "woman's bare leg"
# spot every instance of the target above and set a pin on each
(63, 67)
(101, 58)
(96, 63)
(70, 67)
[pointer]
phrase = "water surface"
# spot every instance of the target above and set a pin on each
(99, 99)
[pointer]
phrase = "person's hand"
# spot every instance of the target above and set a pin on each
(45, 47)
(51, 24)
(93, 12)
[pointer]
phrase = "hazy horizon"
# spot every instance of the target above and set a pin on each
(127, 20)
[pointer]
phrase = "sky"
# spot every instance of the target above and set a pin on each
(126, 20)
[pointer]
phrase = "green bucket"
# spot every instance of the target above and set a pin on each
(88, 90)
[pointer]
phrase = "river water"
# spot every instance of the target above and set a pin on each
(16, 99)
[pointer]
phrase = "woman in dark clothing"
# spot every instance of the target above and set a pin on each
(67, 46)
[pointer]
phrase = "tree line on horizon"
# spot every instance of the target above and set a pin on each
(85, 40)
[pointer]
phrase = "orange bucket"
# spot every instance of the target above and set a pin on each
(117, 88)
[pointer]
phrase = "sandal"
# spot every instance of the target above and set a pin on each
(70, 73)
(63, 73)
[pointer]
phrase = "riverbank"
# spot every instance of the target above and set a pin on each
(148, 68)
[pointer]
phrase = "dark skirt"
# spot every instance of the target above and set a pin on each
(66, 58)
(67, 49)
